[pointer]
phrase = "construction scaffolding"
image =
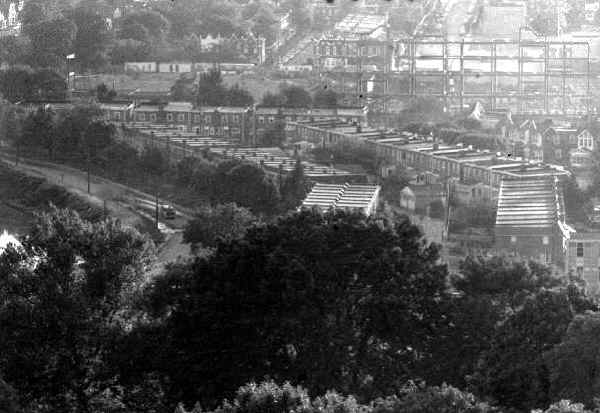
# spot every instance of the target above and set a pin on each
(526, 76)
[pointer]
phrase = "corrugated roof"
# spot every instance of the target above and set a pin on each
(342, 196)
(529, 203)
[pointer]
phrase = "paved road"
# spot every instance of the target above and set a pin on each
(123, 202)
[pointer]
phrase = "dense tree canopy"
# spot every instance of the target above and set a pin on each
(91, 38)
(222, 223)
(51, 42)
(325, 98)
(288, 288)
(154, 23)
(513, 370)
(23, 84)
(288, 96)
(488, 290)
(573, 363)
(62, 294)
(212, 92)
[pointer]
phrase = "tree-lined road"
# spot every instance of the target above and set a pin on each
(127, 204)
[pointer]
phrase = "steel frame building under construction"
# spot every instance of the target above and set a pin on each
(527, 76)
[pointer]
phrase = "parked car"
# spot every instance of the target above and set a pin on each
(168, 212)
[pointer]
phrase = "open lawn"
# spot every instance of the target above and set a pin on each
(257, 84)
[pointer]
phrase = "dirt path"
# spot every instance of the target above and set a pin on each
(127, 204)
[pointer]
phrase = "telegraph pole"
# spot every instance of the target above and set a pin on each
(156, 208)
(88, 169)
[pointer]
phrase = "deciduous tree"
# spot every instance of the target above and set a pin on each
(222, 223)
(91, 37)
(64, 294)
(313, 298)
(573, 363)
(513, 370)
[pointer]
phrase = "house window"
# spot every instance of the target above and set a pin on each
(513, 239)
(261, 119)
(579, 271)
(580, 249)
(197, 118)
(557, 154)
(271, 119)
(153, 117)
(181, 117)
(545, 240)
(117, 115)
(207, 119)
(141, 117)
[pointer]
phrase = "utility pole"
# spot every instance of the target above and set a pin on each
(447, 223)
(88, 172)
(87, 143)
(156, 209)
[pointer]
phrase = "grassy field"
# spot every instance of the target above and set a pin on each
(257, 84)
(156, 82)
